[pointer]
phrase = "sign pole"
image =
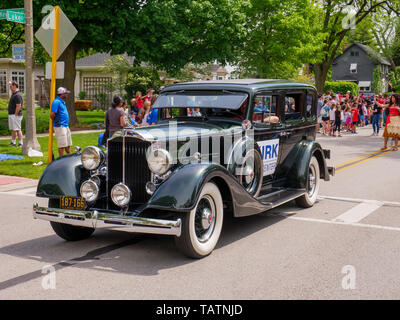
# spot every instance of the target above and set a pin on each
(53, 78)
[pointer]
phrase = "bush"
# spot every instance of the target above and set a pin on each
(3, 104)
(82, 95)
(142, 79)
(342, 86)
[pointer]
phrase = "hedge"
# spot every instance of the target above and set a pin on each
(342, 87)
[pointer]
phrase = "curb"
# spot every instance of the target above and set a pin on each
(16, 183)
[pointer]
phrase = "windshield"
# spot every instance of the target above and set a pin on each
(220, 100)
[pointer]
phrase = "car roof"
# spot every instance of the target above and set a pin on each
(239, 84)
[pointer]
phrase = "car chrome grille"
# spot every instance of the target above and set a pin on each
(137, 172)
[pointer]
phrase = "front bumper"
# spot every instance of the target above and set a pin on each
(95, 219)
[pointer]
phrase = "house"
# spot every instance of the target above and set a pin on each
(91, 77)
(15, 71)
(357, 64)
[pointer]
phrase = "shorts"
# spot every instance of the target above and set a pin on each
(325, 118)
(63, 136)
(14, 122)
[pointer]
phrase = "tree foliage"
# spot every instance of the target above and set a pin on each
(338, 18)
(280, 37)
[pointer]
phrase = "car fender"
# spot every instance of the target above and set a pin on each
(62, 177)
(180, 192)
(300, 157)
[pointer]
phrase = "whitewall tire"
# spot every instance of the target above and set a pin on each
(201, 227)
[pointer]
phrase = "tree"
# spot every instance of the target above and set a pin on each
(119, 66)
(142, 79)
(279, 39)
(384, 32)
(338, 17)
(167, 34)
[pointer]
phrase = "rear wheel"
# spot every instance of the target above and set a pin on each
(313, 183)
(66, 231)
(202, 227)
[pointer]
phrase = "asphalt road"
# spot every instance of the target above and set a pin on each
(345, 247)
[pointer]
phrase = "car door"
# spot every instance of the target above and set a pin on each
(266, 134)
(293, 122)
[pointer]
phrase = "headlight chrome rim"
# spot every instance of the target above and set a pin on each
(90, 186)
(92, 158)
(116, 191)
(163, 164)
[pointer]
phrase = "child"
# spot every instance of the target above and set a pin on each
(145, 113)
(332, 118)
(338, 122)
(354, 112)
(139, 100)
(349, 121)
(325, 118)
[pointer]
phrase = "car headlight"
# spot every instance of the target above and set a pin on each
(121, 195)
(92, 158)
(90, 191)
(159, 161)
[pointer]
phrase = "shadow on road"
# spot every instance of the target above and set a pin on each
(121, 252)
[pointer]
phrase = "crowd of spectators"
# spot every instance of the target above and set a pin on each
(342, 113)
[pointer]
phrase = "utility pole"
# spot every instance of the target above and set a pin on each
(30, 123)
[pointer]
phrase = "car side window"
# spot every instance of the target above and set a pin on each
(265, 109)
(293, 106)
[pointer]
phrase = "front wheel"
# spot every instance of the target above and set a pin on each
(202, 227)
(313, 183)
(66, 231)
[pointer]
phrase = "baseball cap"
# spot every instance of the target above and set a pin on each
(62, 90)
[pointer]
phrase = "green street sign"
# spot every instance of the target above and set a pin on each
(15, 17)
(13, 14)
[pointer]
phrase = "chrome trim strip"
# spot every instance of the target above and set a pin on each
(123, 158)
(95, 219)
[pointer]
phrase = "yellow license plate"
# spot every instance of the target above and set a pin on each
(74, 203)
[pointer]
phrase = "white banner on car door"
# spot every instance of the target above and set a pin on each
(269, 152)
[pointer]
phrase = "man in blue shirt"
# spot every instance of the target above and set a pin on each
(59, 115)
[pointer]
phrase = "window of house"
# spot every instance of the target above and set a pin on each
(264, 106)
(353, 68)
(3, 81)
(293, 106)
(354, 53)
(19, 77)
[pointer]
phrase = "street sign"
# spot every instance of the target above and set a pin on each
(15, 16)
(18, 53)
(3, 12)
(66, 33)
(59, 72)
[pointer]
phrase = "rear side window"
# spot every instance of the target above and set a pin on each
(293, 106)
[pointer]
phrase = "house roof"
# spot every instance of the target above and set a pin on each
(98, 60)
(368, 50)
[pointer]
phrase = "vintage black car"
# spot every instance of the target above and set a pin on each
(235, 147)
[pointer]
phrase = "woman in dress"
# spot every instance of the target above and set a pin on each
(392, 127)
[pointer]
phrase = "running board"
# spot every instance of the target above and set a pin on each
(276, 199)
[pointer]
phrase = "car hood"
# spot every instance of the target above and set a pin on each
(182, 130)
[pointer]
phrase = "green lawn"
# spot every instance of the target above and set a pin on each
(25, 167)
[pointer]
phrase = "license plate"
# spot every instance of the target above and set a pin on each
(73, 203)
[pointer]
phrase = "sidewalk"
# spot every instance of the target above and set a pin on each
(46, 134)
(9, 183)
